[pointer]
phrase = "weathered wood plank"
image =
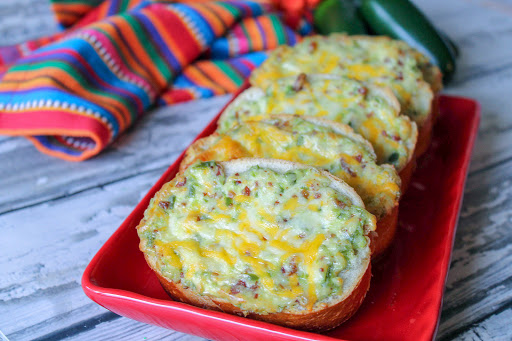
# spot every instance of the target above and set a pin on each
(496, 327)
(44, 250)
(480, 277)
(27, 177)
(125, 329)
(25, 19)
(483, 32)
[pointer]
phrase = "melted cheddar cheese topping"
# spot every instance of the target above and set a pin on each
(379, 60)
(298, 140)
(340, 99)
(260, 240)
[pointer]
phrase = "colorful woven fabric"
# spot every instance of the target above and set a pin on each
(74, 93)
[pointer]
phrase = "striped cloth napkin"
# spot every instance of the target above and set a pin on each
(72, 94)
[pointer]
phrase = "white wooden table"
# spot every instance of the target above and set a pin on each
(55, 215)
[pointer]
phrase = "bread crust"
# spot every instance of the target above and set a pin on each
(385, 233)
(406, 174)
(319, 320)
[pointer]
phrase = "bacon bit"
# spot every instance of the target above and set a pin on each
(281, 124)
(182, 275)
(299, 82)
(304, 193)
(294, 269)
(294, 196)
(215, 273)
(339, 203)
(235, 289)
(205, 194)
(265, 239)
(237, 174)
(400, 76)
(346, 168)
(231, 194)
(254, 286)
(218, 171)
(363, 90)
(396, 138)
(318, 195)
(276, 203)
(198, 218)
(283, 270)
(247, 253)
(370, 114)
(270, 184)
(358, 158)
(183, 204)
(313, 46)
(322, 270)
(181, 183)
(164, 204)
(255, 295)
(400, 63)
(238, 182)
(246, 191)
(302, 235)
(285, 220)
(281, 286)
(256, 184)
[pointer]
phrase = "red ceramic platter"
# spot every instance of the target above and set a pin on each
(406, 293)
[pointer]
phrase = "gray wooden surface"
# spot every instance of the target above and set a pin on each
(55, 215)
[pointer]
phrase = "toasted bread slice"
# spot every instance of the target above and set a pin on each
(379, 60)
(268, 239)
(372, 111)
(317, 142)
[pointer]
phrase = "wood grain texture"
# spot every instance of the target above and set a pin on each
(55, 215)
(480, 277)
(25, 19)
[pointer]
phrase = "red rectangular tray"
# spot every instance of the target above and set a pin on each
(406, 292)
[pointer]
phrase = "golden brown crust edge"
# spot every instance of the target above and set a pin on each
(193, 152)
(319, 320)
(385, 233)
(425, 132)
(406, 174)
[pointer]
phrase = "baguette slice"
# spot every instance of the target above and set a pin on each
(317, 142)
(379, 60)
(372, 111)
(303, 262)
